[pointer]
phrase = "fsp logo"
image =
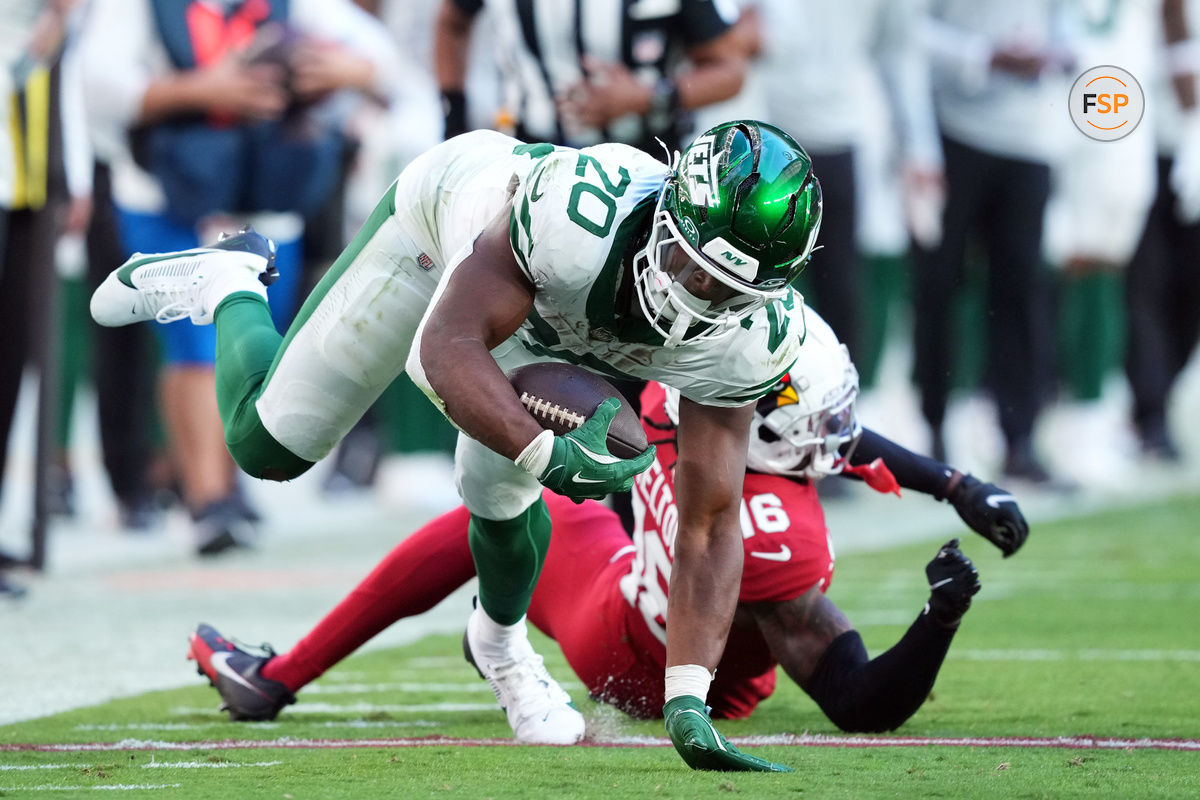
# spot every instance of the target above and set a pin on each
(1106, 103)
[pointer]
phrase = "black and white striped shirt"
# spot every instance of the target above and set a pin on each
(540, 46)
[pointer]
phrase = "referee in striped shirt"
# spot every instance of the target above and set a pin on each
(581, 72)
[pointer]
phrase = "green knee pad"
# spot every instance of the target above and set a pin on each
(508, 559)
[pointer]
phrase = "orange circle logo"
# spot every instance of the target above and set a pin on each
(1106, 103)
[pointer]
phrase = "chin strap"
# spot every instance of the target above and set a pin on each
(876, 475)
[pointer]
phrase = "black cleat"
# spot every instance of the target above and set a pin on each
(248, 240)
(235, 674)
(953, 581)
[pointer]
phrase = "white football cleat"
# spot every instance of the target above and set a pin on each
(539, 710)
(189, 283)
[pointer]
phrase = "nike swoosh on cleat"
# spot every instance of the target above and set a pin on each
(220, 665)
(784, 554)
(994, 500)
(578, 479)
(941, 583)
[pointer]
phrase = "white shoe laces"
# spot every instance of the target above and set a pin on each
(525, 686)
(167, 286)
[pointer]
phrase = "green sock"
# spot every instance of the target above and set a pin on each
(887, 287)
(246, 346)
(1091, 331)
(508, 558)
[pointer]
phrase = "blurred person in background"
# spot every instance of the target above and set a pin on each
(818, 92)
(226, 112)
(1162, 288)
(124, 366)
(579, 74)
(1093, 221)
(43, 191)
(1000, 80)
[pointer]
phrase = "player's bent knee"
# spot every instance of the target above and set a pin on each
(259, 454)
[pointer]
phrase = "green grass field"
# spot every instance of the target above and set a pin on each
(1091, 631)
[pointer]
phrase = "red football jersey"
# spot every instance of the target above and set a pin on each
(787, 552)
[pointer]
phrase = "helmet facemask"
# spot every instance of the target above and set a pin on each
(670, 308)
(803, 437)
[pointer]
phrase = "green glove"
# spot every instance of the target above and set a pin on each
(702, 747)
(582, 468)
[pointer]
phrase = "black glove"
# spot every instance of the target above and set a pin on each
(953, 581)
(991, 512)
(454, 113)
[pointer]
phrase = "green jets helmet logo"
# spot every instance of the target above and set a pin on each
(728, 256)
(700, 172)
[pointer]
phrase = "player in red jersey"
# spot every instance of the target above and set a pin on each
(603, 597)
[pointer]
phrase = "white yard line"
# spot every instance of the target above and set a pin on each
(207, 764)
(779, 740)
(967, 654)
(363, 708)
(111, 787)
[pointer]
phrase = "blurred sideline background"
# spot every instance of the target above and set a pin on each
(110, 612)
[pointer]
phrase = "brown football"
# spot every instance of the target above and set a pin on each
(561, 396)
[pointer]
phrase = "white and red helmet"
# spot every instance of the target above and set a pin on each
(801, 425)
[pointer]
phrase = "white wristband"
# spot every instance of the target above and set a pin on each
(536, 455)
(687, 679)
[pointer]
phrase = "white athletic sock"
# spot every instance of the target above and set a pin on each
(494, 642)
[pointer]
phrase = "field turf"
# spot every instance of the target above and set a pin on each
(1076, 674)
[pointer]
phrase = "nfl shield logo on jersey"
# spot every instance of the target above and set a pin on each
(425, 262)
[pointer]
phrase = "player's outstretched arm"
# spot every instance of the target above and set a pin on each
(705, 578)
(987, 509)
(819, 649)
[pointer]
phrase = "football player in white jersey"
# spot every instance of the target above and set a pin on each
(488, 253)
(604, 598)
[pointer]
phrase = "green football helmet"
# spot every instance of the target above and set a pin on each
(743, 205)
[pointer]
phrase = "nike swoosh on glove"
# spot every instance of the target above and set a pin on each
(991, 512)
(580, 465)
(953, 581)
(702, 746)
